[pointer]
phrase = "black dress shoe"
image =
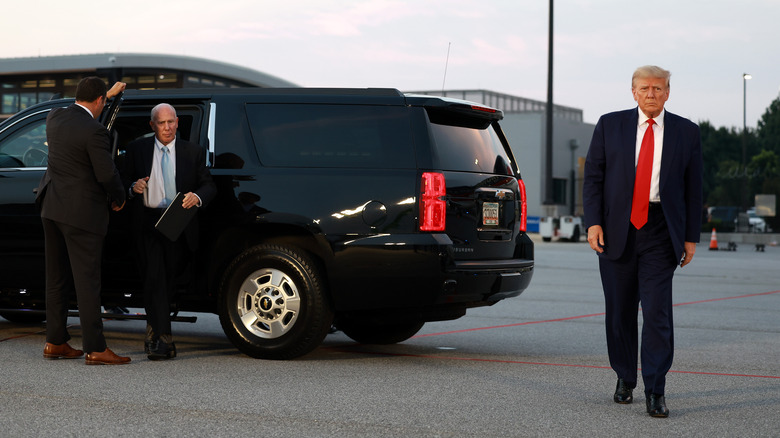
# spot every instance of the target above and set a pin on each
(623, 393)
(656, 406)
(159, 350)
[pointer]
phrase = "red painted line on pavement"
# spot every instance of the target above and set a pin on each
(17, 337)
(508, 325)
(344, 349)
(572, 365)
(585, 316)
(24, 335)
(729, 298)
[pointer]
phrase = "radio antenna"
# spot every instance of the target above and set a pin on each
(445, 68)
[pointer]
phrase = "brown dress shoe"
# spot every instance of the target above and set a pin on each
(106, 357)
(63, 351)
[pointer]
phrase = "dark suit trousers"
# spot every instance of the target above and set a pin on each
(162, 261)
(642, 275)
(73, 258)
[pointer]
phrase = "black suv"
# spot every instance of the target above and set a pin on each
(366, 209)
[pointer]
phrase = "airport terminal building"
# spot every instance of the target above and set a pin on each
(27, 81)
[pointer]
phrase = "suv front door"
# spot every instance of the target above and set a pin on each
(23, 160)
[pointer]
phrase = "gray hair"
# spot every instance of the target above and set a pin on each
(650, 71)
(160, 106)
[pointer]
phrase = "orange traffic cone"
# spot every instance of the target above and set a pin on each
(713, 241)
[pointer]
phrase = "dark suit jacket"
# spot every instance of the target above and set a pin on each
(609, 179)
(81, 178)
(191, 176)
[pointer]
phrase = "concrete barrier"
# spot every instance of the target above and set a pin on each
(757, 241)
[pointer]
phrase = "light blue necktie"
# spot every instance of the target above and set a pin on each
(169, 179)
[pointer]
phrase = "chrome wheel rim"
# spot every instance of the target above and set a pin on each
(268, 303)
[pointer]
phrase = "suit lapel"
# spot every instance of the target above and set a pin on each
(669, 149)
(628, 137)
(148, 155)
(179, 167)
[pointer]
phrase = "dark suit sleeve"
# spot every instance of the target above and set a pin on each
(130, 170)
(206, 189)
(99, 150)
(593, 183)
(693, 187)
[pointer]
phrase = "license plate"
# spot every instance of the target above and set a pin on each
(490, 213)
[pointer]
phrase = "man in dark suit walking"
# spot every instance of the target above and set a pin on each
(157, 168)
(642, 199)
(74, 195)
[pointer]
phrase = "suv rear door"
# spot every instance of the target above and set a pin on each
(483, 196)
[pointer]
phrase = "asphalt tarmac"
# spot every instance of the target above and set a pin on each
(535, 365)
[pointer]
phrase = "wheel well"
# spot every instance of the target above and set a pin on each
(232, 242)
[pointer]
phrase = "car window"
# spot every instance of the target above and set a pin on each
(361, 136)
(26, 147)
(468, 148)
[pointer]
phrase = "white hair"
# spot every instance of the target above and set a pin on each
(160, 106)
(650, 71)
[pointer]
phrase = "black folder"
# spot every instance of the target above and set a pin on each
(175, 218)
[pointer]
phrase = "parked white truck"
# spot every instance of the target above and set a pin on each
(561, 227)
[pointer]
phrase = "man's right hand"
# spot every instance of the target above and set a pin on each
(140, 185)
(596, 238)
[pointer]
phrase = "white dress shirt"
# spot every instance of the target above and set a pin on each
(86, 109)
(154, 196)
(658, 137)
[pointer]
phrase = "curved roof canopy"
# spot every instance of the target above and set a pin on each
(64, 63)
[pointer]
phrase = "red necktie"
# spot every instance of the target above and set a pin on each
(644, 171)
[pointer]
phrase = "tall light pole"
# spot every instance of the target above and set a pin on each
(573, 145)
(549, 199)
(745, 77)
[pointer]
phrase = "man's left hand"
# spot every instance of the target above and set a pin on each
(690, 250)
(116, 89)
(190, 200)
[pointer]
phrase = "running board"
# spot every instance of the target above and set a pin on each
(174, 318)
(75, 314)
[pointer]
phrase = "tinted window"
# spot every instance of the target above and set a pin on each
(26, 147)
(297, 135)
(473, 148)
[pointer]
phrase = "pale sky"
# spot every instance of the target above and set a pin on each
(498, 45)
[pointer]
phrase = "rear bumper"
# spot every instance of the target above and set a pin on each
(487, 280)
(418, 273)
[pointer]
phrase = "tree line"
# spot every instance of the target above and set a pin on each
(729, 182)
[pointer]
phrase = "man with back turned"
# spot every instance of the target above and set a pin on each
(75, 193)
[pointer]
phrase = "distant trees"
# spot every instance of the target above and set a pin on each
(724, 174)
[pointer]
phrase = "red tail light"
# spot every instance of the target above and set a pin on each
(483, 109)
(523, 206)
(433, 209)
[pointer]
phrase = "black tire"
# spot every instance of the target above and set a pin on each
(24, 317)
(546, 239)
(272, 303)
(372, 333)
